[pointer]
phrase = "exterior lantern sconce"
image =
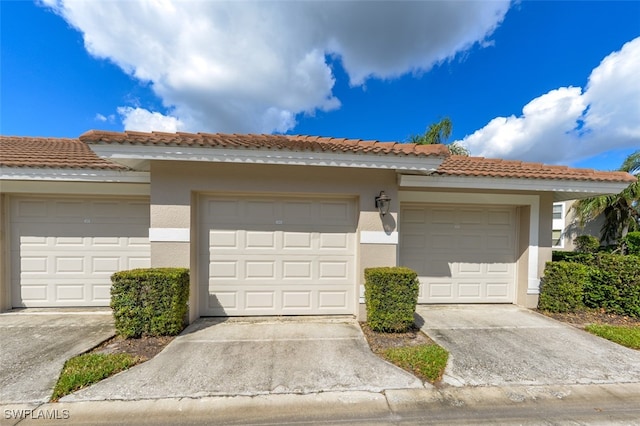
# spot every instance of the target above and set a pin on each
(383, 202)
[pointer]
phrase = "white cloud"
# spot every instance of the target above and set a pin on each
(569, 124)
(254, 66)
(103, 118)
(143, 120)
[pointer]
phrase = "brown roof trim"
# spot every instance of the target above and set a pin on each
(252, 141)
(51, 153)
(457, 165)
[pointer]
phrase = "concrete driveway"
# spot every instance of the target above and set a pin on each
(499, 345)
(35, 343)
(237, 356)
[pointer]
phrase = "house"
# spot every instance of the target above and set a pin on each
(566, 226)
(273, 224)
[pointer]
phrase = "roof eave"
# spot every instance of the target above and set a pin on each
(72, 175)
(562, 189)
(139, 156)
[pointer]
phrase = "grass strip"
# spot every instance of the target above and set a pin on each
(628, 336)
(86, 369)
(425, 361)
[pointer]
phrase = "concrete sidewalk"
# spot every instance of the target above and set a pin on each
(256, 357)
(506, 345)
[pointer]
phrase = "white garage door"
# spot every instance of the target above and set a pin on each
(462, 253)
(277, 256)
(64, 250)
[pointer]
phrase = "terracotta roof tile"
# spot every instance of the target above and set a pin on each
(59, 153)
(76, 153)
(457, 165)
(286, 142)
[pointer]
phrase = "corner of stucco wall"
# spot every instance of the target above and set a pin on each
(5, 278)
(531, 301)
(524, 218)
(546, 231)
(362, 312)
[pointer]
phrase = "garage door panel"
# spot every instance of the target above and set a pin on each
(468, 254)
(498, 290)
(285, 300)
(70, 293)
(260, 270)
(440, 216)
(260, 240)
(499, 217)
(471, 216)
(223, 239)
(297, 270)
(70, 209)
(260, 301)
(470, 290)
(296, 212)
(104, 265)
(334, 241)
(281, 256)
(297, 240)
(411, 216)
(223, 210)
(293, 300)
(66, 257)
(499, 242)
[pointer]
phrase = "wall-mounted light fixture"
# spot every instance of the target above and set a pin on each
(383, 202)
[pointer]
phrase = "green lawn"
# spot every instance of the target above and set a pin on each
(425, 361)
(86, 369)
(628, 336)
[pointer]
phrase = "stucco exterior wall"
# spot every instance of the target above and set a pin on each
(545, 229)
(176, 186)
(572, 228)
(5, 279)
(545, 226)
(522, 262)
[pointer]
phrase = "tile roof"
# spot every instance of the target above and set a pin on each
(58, 153)
(457, 165)
(266, 142)
(67, 153)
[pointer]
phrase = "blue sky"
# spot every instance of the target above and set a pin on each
(537, 81)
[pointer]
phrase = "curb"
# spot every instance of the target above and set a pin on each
(357, 406)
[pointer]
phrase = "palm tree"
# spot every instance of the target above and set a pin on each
(621, 211)
(438, 133)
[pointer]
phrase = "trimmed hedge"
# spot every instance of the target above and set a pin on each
(602, 281)
(561, 288)
(632, 243)
(572, 256)
(586, 244)
(614, 284)
(391, 295)
(150, 302)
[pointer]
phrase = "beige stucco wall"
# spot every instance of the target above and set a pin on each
(522, 263)
(545, 227)
(572, 228)
(176, 186)
(5, 279)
